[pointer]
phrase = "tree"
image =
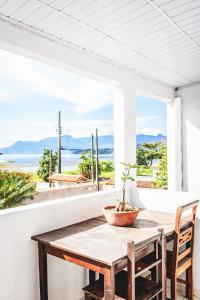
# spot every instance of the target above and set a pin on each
(152, 151)
(15, 187)
(161, 180)
(141, 156)
(43, 171)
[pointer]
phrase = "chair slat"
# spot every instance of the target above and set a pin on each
(148, 267)
(185, 237)
(187, 264)
(187, 220)
(185, 253)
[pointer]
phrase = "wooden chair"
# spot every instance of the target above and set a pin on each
(180, 260)
(134, 283)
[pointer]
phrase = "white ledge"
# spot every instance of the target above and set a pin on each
(60, 201)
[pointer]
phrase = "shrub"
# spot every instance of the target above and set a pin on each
(85, 166)
(162, 180)
(15, 187)
(106, 166)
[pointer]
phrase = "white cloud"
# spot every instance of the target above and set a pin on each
(84, 95)
(149, 131)
(149, 125)
(31, 77)
(87, 127)
(144, 120)
(39, 130)
(21, 131)
(5, 96)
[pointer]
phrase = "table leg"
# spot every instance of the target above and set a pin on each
(109, 284)
(164, 269)
(131, 270)
(43, 272)
(92, 276)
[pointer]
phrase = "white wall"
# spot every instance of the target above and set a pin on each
(191, 137)
(18, 253)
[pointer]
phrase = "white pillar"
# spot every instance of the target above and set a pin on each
(174, 145)
(124, 130)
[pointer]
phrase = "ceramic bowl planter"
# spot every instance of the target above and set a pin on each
(122, 218)
(122, 214)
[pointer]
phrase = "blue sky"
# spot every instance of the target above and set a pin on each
(151, 116)
(31, 93)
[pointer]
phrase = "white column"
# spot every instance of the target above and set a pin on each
(174, 145)
(124, 130)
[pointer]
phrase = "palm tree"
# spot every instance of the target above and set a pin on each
(14, 188)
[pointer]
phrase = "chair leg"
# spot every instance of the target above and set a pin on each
(153, 274)
(189, 283)
(173, 288)
(87, 297)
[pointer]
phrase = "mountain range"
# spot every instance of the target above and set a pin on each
(75, 145)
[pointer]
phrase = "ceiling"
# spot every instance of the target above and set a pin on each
(158, 38)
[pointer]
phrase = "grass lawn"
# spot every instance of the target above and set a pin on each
(73, 172)
(108, 174)
(103, 174)
(144, 171)
(36, 178)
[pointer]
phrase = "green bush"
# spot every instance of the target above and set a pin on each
(106, 166)
(15, 187)
(85, 166)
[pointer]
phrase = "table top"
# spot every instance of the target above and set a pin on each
(97, 240)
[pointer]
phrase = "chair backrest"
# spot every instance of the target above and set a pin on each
(184, 232)
(159, 246)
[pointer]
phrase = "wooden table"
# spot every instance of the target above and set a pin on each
(98, 246)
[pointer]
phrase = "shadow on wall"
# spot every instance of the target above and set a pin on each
(53, 194)
(162, 200)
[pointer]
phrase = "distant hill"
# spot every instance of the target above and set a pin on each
(75, 145)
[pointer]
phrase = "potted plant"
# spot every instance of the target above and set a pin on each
(122, 214)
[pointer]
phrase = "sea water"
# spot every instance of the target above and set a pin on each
(30, 162)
